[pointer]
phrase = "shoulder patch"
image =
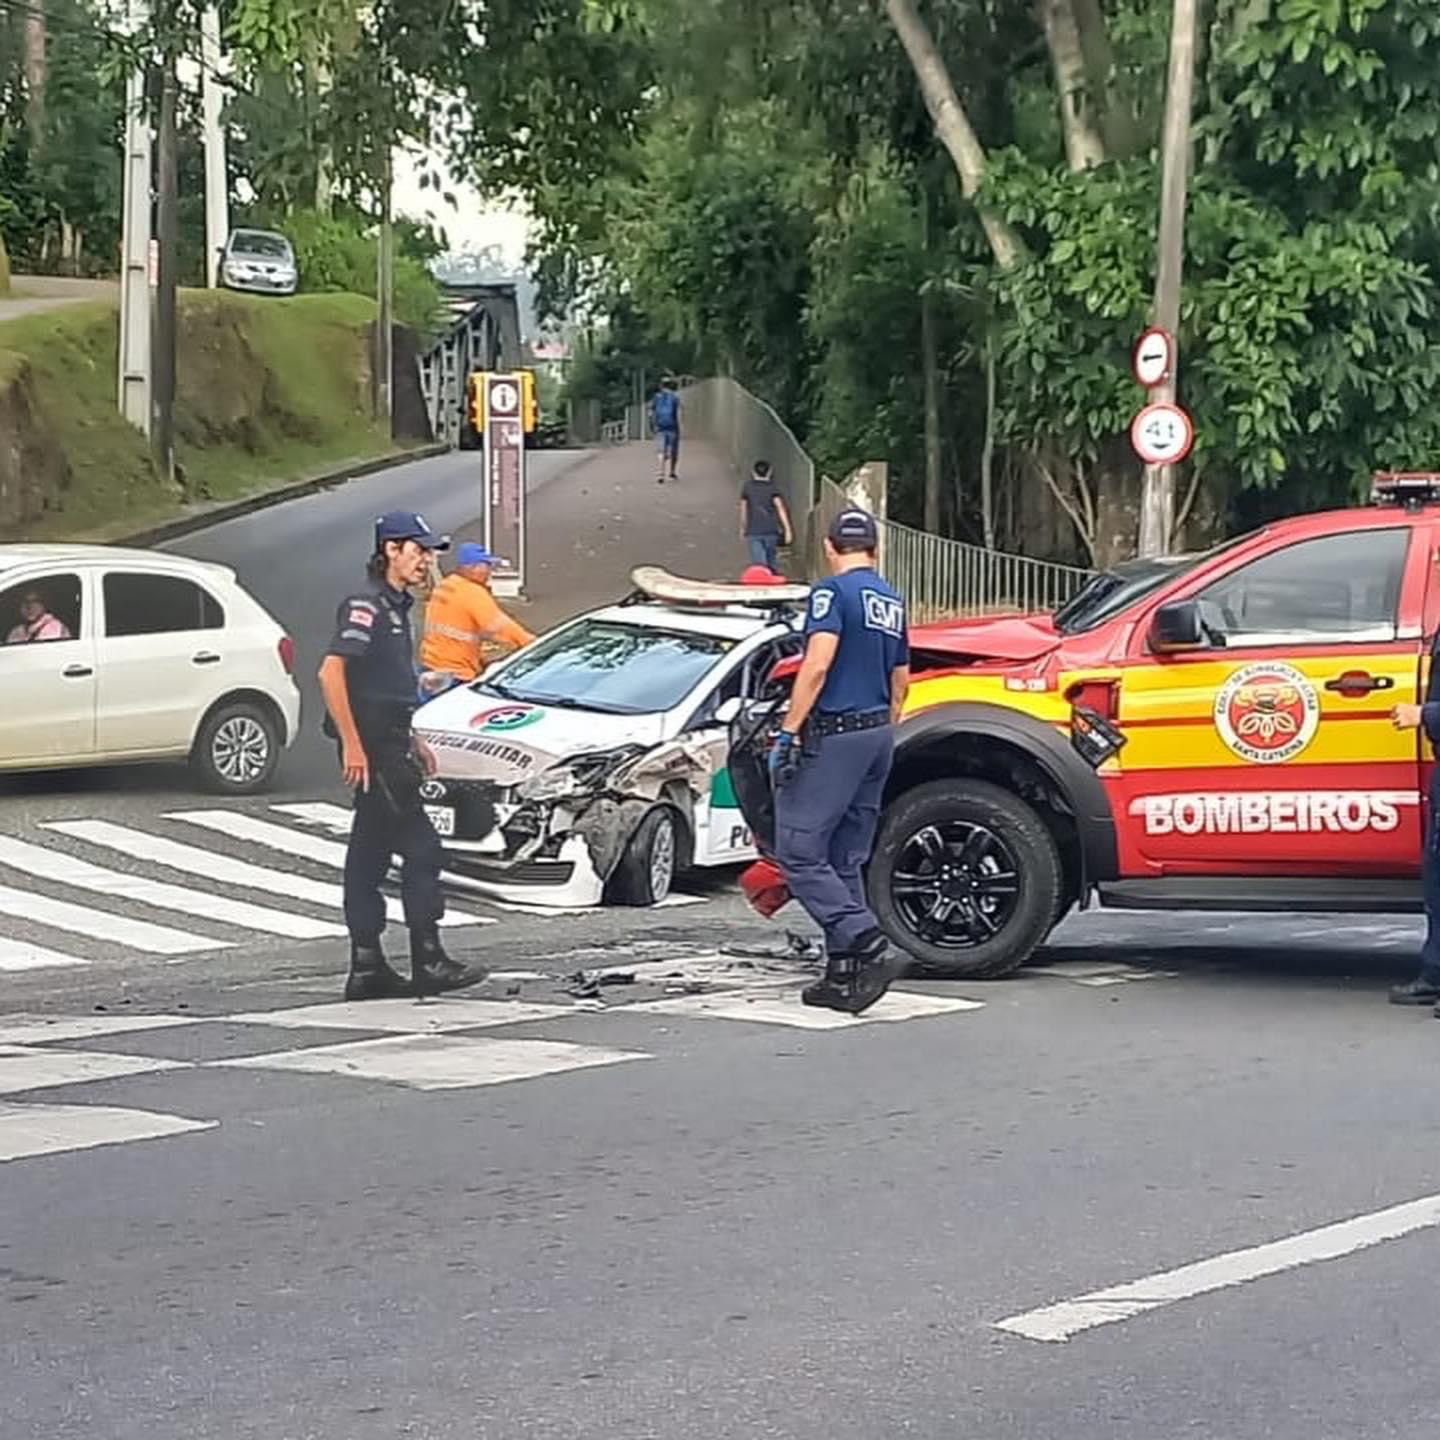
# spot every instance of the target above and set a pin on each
(820, 602)
(361, 615)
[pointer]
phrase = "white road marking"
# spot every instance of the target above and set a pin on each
(440, 1062)
(208, 864)
(66, 869)
(22, 1068)
(239, 826)
(334, 818)
(30, 1130)
(38, 1029)
(403, 1017)
(103, 924)
(785, 1008)
(1055, 1323)
(20, 955)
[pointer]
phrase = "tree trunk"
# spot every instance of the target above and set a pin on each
(35, 72)
(1117, 511)
(321, 81)
(930, 359)
(952, 124)
(987, 451)
(1111, 100)
(1084, 147)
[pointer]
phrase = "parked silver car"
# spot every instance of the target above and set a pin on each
(259, 261)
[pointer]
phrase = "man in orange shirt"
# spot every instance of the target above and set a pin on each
(465, 628)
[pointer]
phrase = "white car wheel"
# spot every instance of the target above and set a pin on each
(237, 749)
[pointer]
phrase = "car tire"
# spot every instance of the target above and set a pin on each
(647, 868)
(237, 749)
(997, 878)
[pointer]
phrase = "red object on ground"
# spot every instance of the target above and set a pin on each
(760, 575)
(765, 888)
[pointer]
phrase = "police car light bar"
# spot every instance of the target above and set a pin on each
(1405, 487)
(659, 584)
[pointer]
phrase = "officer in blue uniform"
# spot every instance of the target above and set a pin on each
(832, 758)
(1424, 989)
(368, 679)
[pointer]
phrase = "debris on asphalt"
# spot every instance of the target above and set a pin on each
(586, 983)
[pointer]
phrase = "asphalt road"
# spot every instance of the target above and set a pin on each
(715, 1225)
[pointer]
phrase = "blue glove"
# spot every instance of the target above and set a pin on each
(784, 758)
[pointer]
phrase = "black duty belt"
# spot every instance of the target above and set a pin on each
(844, 724)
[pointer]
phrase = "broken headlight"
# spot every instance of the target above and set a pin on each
(579, 775)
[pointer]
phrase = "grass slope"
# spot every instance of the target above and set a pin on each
(268, 391)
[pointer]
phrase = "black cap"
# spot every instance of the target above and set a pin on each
(854, 530)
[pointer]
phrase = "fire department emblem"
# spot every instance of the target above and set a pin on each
(1267, 713)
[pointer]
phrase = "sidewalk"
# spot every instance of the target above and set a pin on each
(591, 525)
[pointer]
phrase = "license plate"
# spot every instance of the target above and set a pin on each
(442, 817)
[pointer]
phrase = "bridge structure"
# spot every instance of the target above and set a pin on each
(483, 334)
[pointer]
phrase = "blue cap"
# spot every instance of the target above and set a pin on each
(471, 553)
(407, 525)
(854, 529)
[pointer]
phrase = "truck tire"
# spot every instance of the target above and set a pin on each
(965, 877)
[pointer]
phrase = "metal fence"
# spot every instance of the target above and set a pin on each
(941, 578)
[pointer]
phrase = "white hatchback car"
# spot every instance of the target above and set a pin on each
(110, 655)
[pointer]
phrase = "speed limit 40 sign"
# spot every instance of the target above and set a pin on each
(1162, 434)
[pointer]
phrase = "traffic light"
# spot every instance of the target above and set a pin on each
(529, 403)
(477, 401)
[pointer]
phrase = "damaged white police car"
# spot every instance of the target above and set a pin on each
(591, 765)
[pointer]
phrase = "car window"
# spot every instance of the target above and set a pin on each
(751, 679)
(1333, 588)
(271, 246)
(609, 666)
(41, 612)
(137, 604)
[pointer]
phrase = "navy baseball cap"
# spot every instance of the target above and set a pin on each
(854, 529)
(407, 525)
(471, 553)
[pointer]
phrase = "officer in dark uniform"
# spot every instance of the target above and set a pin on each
(368, 679)
(1424, 989)
(832, 758)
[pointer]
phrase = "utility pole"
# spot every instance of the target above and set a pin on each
(385, 285)
(217, 181)
(162, 430)
(1157, 493)
(134, 377)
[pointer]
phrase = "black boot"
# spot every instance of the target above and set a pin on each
(1419, 991)
(876, 967)
(432, 971)
(832, 990)
(371, 977)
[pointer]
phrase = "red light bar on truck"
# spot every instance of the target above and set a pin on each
(1405, 487)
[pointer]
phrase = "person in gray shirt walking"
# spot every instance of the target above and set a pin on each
(764, 520)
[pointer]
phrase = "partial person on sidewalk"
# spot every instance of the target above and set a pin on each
(1424, 989)
(465, 628)
(665, 420)
(764, 520)
(369, 685)
(832, 758)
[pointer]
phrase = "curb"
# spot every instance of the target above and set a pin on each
(294, 490)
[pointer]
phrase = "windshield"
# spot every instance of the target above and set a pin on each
(607, 666)
(1112, 591)
(252, 242)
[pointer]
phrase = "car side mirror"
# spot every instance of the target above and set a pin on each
(1177, 626)
(728, 711)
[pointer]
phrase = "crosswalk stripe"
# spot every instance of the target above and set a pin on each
(25, 1068)
(69, 870)
(103, 924)
(335, 818)
(29, 1130)
(20, 955)
(239, 826)
(208, 864)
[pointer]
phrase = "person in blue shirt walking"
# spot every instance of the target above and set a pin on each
(665, 417)
(832, 758)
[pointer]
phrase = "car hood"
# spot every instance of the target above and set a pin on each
(479, 737)
(991, 637)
